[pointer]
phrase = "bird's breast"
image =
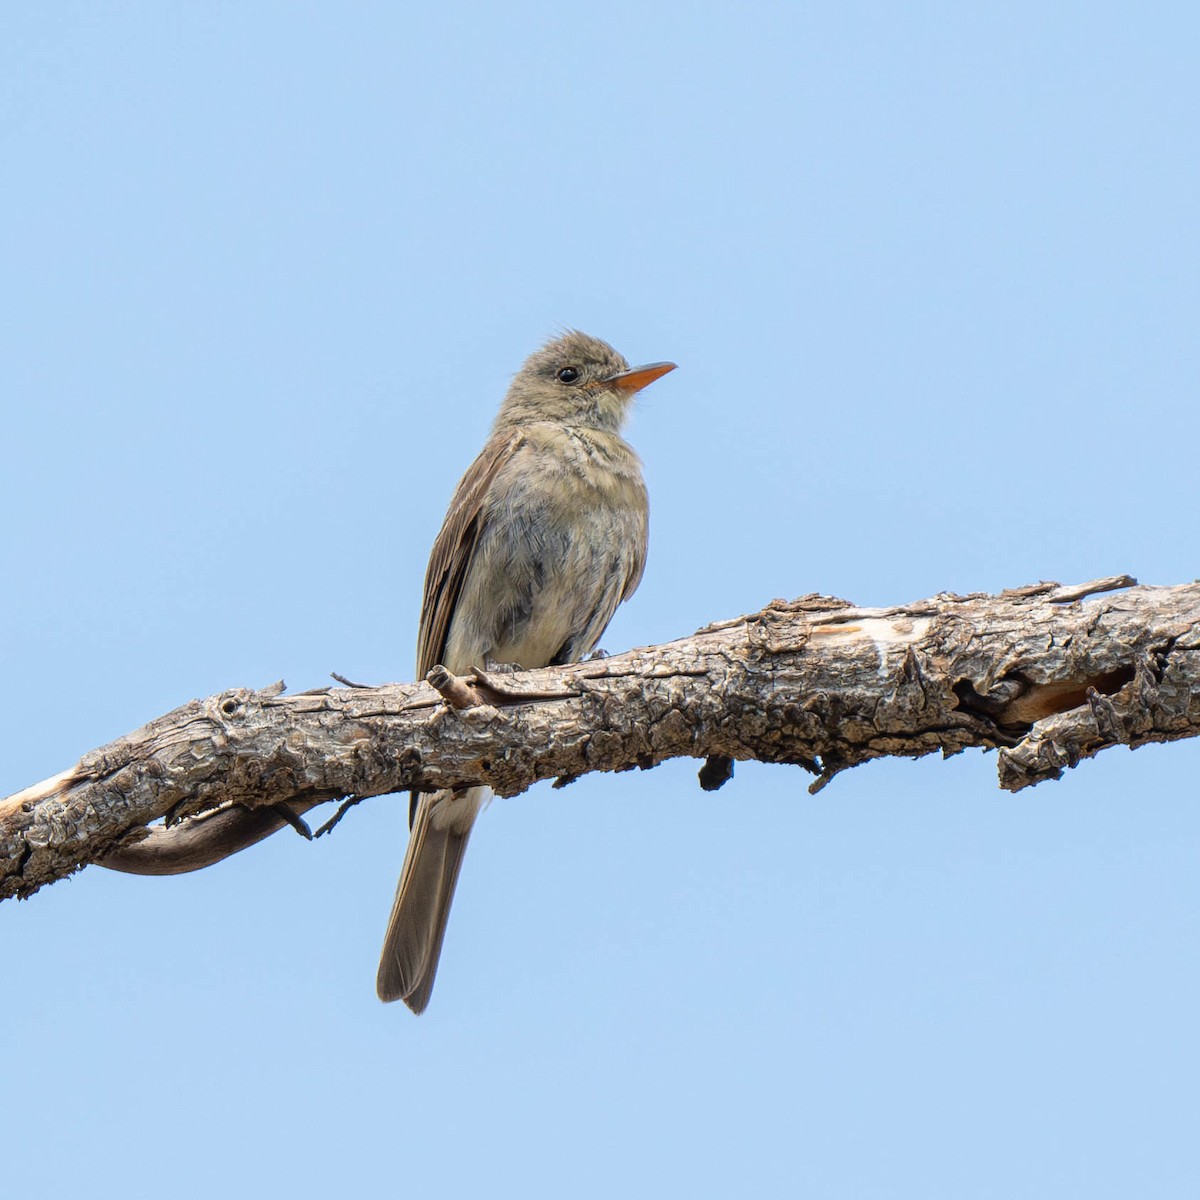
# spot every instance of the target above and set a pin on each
(564, 531)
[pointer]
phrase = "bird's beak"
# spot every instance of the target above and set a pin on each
(633, 381)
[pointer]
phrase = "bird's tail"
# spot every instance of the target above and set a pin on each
(417, 923)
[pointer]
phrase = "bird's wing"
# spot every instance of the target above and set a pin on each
(451, 556)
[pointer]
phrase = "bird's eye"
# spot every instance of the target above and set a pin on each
(568, 375)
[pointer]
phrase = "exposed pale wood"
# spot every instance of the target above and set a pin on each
(1047, 674)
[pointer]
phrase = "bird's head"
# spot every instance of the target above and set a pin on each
(576, 380)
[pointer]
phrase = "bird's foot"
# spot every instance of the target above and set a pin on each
(500, 668)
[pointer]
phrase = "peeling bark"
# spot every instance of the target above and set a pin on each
(1046, 674)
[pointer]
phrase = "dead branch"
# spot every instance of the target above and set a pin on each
(1049, 675)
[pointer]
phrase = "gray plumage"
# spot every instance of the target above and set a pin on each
(545, 536)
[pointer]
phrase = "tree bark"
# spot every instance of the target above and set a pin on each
(1040, 673)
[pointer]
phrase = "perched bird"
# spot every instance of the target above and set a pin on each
(545, 536)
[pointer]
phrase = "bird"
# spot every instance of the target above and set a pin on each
(545, 535)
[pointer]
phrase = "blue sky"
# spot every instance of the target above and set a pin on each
(930, 272)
